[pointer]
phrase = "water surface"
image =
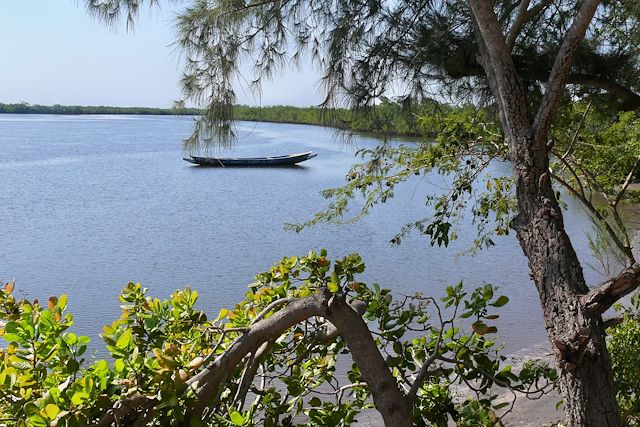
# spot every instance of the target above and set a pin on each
(89, 203)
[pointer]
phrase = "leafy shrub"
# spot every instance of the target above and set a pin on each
(623, 345)
(168, 358)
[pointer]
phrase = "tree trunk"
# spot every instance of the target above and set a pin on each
(576, 335)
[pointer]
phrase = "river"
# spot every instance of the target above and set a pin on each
(89, 203)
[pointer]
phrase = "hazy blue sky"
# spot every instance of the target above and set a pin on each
(53, 52)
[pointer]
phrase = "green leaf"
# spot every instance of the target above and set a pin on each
(70, 338)
(237, 418)
(23, 366)
(502, 300)
(38, 420)
(31, 409)
(315, 402)
(101, 368)
(62, 301)
(51, 410)
(79, 397)
(223, 313)
(480, 328)
(73, 366)
(334, 284)
(125, 340)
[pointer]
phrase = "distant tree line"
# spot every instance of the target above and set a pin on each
(25, 108)
(390, 117)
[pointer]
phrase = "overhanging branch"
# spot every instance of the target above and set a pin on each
(518, 23)
(122, 408)
(255, 339)
(630, 100)
(208, 381)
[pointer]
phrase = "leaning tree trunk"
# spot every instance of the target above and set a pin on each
(576, 334)
(574, 328)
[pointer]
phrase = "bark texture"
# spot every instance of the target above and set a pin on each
(575, 332)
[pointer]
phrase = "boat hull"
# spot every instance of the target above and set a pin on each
(287, 160)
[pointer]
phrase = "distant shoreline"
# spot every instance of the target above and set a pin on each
(77, 110)
(391, 122)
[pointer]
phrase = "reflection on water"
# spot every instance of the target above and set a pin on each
(299, 168)
(90, 203)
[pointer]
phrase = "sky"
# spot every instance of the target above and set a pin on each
(53, 52)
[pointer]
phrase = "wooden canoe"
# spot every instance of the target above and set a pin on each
(287, 160)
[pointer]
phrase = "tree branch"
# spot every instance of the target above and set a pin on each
(522, 18)
(387, 397)
(208, 381)
(630, 100)
(275, 304)
(389, 400)
(328, 332)
(626, 183)
(122, 408)
(341, 390)
(596, 214)
(518, 23)
(610, 323)
(250, 373)
(576, 134)
(560, 72)
(500, 70)
(424, 370)
(598, 300)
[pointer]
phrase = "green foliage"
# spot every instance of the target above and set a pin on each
(367, 50)
(604, 149)
(40, 365)
(623, 345)
(283, 114)
(596, 157)
(157, 346)
(468, 139)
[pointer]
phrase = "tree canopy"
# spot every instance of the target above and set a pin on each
(368, 49)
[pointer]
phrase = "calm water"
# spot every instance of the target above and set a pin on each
(89, 203)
